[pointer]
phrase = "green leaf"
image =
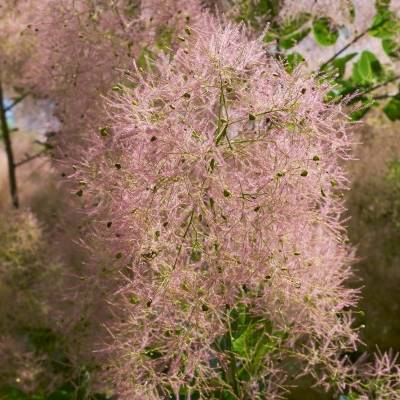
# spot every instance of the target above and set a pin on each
(293, 32)
(146, 59)
(391, 47)
(265, 7)
(392, 109)
(382, 4)
(270, 36)
(325, 33)
(357, 115)
(241, 344)
(294, 25)
(384, 25)
(164, 38)
(293, 60)
(366, 104)
(367, 70)
(340, 64)
(342, 88)
(251, 335)
(250, 12)
(287, 42)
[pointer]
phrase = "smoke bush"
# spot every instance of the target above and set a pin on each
(213, 191)
(217, 188)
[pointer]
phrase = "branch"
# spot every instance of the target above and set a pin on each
(338, 53)
(383, 96)
(378, 86)
(16, 101)
(373, 88)
(30, 158)
(5, 130)
(354, 40)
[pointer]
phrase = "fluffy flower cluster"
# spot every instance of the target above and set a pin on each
(218, 184)
(79, 40)
(379, 379)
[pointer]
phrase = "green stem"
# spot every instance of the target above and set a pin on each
(232, 370)
(183, 238)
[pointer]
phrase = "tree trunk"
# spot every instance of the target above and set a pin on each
(9, 151)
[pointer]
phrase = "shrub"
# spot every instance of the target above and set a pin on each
(217, 188)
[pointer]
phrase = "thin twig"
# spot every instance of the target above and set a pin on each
(373, 88)
(16, 101)
(338, 53)
(183, 239)
(30, 158)
(354, 40)
(383, 96)
(378, 86)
